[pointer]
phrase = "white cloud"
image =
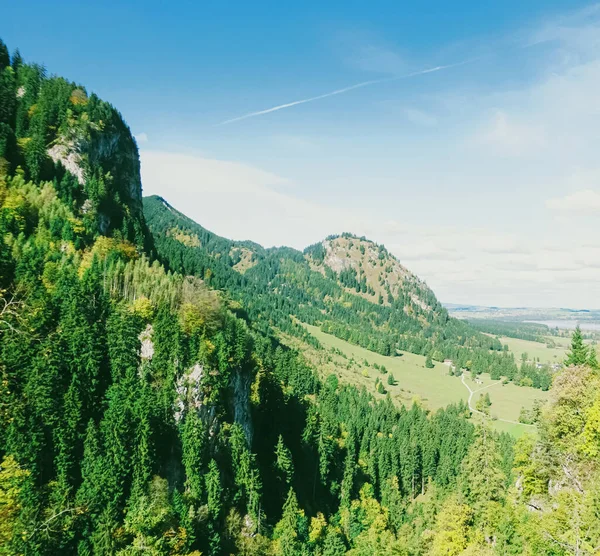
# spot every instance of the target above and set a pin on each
(393, 227)
(495, 243)
(379, 59)
(141, 138)
(585, 201)
(428, 250)
(366, 52)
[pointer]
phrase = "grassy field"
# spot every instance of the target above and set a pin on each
(537, 350)
(433, 388)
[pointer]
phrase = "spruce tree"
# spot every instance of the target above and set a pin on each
(192, 443)
(283, 462)
(214, 490)
(579, 352)
(4, 56)
(289, 532)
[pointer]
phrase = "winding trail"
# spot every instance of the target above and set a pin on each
(471, 392)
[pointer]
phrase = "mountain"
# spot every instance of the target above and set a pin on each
(141, 411)
(364, 267)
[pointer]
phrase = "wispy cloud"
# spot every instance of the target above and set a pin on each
(341, 91)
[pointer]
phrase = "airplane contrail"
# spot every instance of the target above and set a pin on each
(340, 91)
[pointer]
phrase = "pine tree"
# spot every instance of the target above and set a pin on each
(192, 441)
(429, 362)
(213, 489)
(289, 531)
(482, 478)
(4, 56)
(284, 463)
(214, 492)
(579, 352)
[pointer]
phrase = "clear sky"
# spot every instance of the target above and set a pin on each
(464, 136)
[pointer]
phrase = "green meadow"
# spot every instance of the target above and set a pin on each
(537, 350)
(433, 388)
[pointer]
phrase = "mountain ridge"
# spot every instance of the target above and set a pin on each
(322, 255)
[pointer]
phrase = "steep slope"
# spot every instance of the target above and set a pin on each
(138, 413)
(370, 270)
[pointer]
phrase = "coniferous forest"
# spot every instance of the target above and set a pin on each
(148, 407)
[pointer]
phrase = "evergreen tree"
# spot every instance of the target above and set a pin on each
(192, 440)
(579, 352)
(214, 492)
(283, 462)
(4, 56)
(290, 531)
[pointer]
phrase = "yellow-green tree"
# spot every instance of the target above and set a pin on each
(12, 477)
(452, 529)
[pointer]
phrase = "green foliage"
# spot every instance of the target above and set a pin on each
(12, 479)
(284, 464)
(593, 358)
(530, 331)
(291, 531)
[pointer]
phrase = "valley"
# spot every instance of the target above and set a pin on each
(432, 388)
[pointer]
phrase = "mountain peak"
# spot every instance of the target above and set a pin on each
(367, 268)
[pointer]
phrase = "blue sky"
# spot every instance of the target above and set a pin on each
(482, 176)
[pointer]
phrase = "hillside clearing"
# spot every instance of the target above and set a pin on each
(433, 388)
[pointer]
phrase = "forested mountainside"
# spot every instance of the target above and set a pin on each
(349, 286)
(144, 412)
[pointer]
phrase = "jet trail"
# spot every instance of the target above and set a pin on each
(340, 91)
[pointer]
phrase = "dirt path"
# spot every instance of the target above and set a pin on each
(471, 392)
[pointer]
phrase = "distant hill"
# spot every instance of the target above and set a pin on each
(370, 270)
(519, 314)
